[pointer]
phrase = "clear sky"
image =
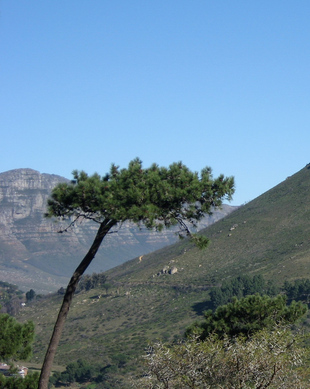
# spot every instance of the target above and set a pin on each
(218, 83)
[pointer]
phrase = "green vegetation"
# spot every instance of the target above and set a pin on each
(15, 344)
(269, 359)
(8, 292)
(247, 316)
(240, 287)
(10, 298)
(79, 371)
(15, 338)
(96, 280)
(122, 322)
(29, 382)
(92, 374)
(298, 290)
(30, 295)
(244, 344)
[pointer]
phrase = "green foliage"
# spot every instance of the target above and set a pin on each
(247, 316)
(79, 371)
(240, 287)
(29, 382)
(267, 360)
(84, 372)
(15, 338)
(30, 295)
(119, 360)
(8, 291)
(158, 197)
(15, 343)
(298, 290)
(96, 280)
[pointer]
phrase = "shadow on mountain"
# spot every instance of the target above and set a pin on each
(201, 307)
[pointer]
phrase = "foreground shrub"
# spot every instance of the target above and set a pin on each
(269, 359)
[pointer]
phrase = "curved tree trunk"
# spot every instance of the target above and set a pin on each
(63, 312)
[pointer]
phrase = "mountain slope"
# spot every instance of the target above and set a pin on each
(268, 236)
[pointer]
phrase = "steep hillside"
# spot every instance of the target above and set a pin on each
(158, 295)
(32, 253)
(270, 235)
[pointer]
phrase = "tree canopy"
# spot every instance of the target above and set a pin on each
(15, 338)
(298, 290)
(247, 316)
(16, 382)
(241, 286)
(156, 197)
(16, 344)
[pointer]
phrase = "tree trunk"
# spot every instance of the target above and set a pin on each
(63, 312)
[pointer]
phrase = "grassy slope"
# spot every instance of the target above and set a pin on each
(272, 237)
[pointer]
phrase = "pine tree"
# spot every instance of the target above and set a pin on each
(157, 197)
(15, 338)
(247, 316)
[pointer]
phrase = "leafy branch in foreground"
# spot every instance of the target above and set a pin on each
(156, 197)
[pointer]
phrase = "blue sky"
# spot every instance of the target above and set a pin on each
(225, 84)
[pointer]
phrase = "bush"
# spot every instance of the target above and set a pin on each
(248, 315)
(267, 360)
(29, 382)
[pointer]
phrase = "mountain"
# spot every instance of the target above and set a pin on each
(32, 253)
(269, 235)
(158, 296)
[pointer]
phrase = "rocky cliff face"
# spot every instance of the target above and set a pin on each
(32, 253)
(24, 233)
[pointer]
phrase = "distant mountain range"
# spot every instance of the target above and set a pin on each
(32, 253)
